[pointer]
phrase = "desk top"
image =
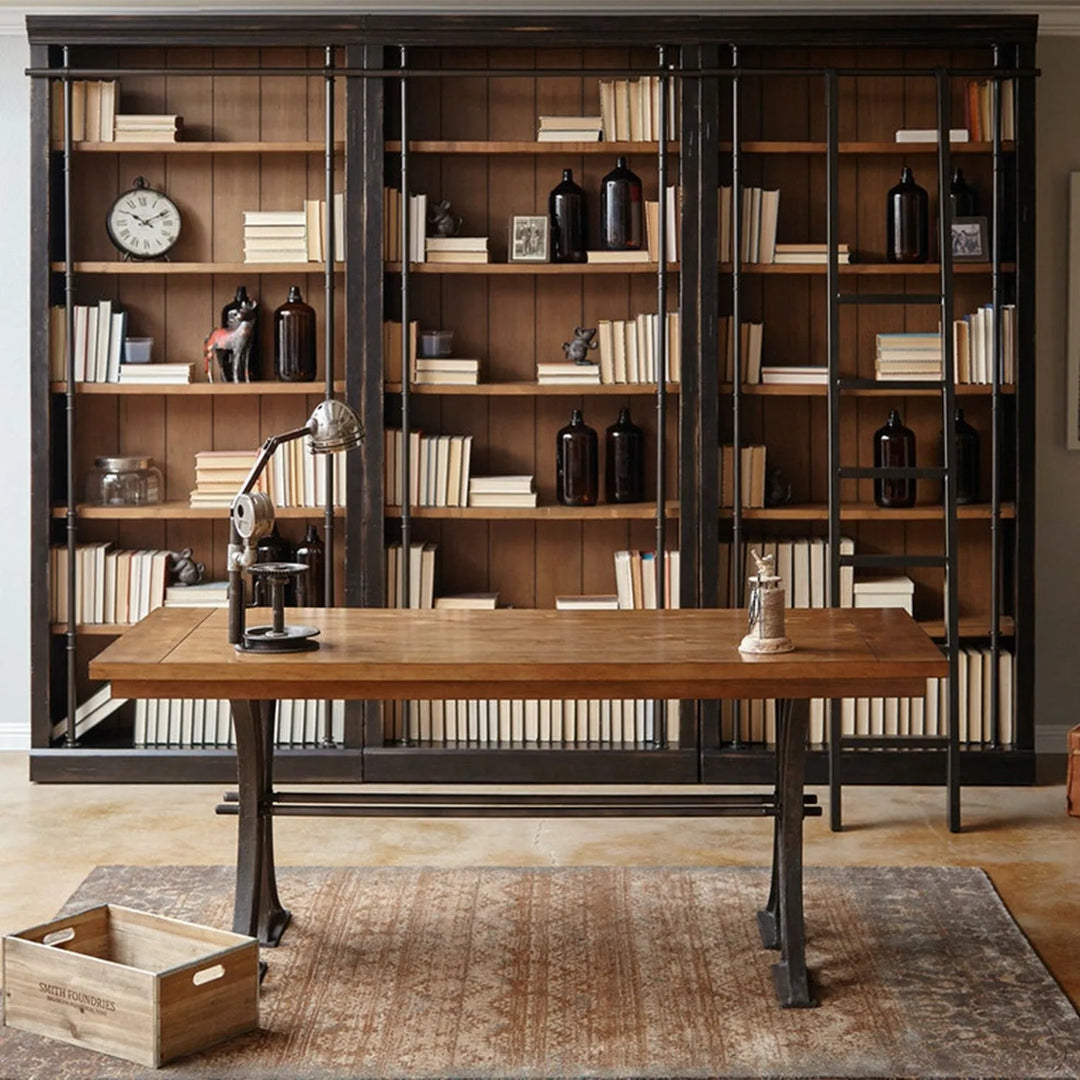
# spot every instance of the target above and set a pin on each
(378, 654)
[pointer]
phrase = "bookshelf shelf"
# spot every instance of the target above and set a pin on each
(524, 146)
(199, 389)
(634, 512)
(534, 269)
(884, 390)
(529, 389)
(223, 147)
(181, 511)
(868, 512)
(969, 627)
(153, 269)
(758, 146)
(867, 269)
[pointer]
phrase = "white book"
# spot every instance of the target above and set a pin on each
(597, 602)
(916, 135)
(481, 484)
(502, 498)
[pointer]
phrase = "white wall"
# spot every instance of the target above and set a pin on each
(15, 392)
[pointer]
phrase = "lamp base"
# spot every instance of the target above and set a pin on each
(753, 644)
(265, 639)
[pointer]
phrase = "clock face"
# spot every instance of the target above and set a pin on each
(143, 223)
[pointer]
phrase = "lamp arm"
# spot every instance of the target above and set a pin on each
(267, 452)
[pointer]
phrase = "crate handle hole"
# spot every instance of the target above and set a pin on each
(58, 937)
(208, 974)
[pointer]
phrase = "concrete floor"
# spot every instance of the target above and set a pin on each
(53, 835)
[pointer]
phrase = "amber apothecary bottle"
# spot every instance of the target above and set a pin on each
(624, 472)
(966, 463)
(311, 586)
(569, 221)
(244, 306)
(576, 463)
(963, 198)
(894, 447)
(294, 339)
(907, 223)
(621, 209)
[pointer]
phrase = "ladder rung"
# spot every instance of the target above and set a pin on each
(891, 472)
(893, 560)
(888, 298)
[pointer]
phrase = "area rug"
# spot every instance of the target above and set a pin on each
(608, 972)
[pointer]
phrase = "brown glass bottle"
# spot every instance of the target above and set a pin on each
(311, 586)
(576, 463)
(907, 230)
(624, 472)
(894, 447)
(569, 221)
(963, 198)
(242, 306)
(294, 339)
(966, 459)
(621, 209)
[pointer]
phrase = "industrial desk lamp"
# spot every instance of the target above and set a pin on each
(333, 427)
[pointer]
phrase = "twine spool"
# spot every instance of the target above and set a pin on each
(771, 619)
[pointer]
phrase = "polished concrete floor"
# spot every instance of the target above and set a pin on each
(53, 835)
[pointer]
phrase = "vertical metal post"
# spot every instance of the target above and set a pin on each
(997, 371)
(832, 230)
(71, 520)
(406, 373)
(330, 254)
(736, 560)
(660, 731)
(948, 411)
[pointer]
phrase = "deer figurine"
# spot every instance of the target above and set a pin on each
(231, 347)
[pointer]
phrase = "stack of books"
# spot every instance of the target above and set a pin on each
(885, 591)
(438, 468)
(315, 228)
(630, 109)
(759, 213)
(750, 337)
(673, 218)
(501, 491)
(272, 236)
(93, 110)
(553, 372)
(974, 346)
(204, 594)
(979, 113)
(219, 475)
(616, 258)
(595, 602)
(794, 375)
(421, 575)
(456, 249)
(446, 371)
(804, 254)
(751, 476)
(100, 330)
(627, 348)
(906, 356)
(477, 601)
(155, 374)
(570, 129)
(636, 580)
(918, 135)
(148, 128)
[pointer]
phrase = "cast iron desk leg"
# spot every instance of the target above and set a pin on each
(781, 923)
(257, 910)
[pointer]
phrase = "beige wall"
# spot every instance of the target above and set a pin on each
(1057, 501)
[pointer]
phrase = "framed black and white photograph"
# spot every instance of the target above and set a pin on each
(970, 240)
(529, 238)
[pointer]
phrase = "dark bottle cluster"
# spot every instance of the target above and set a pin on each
(622, 225)
(577, 462)
(907, 220)
(307, 589)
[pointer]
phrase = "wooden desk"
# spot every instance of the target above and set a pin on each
(370, 654)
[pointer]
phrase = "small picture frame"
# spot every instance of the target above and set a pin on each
(530, 238)
(970, 240)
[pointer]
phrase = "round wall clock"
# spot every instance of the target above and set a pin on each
(143, 223)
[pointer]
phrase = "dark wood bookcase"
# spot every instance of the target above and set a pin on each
(809, 106)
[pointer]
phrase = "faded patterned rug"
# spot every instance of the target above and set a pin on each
(608, 972)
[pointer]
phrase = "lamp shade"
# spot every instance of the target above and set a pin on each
(334, 427)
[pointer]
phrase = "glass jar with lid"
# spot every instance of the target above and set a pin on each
(124, 481)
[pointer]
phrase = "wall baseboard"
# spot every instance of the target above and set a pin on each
(14, 736)
(1051, 738)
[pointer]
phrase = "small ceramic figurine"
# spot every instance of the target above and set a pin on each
(183, 569)
(765, 617)
(441, 222)
(578, 349)
(231, 347)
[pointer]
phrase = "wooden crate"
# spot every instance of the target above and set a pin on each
(1072, 785)
(134, 985)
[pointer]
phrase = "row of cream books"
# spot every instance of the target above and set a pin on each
(95, 116)
(294, 236)
(627, 352)
(207, 723)
(803, 565)
(637, 581)
(294, 477)
(926, 716)
(420, 564)
(508, 722)
(98, 334)
(630, 109)
(438, 468)
(751, 476)
(112, 585)
(759, 210)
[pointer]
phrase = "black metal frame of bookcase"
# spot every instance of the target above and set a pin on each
(366, 41)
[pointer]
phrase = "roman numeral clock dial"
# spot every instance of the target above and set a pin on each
(143, 223)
